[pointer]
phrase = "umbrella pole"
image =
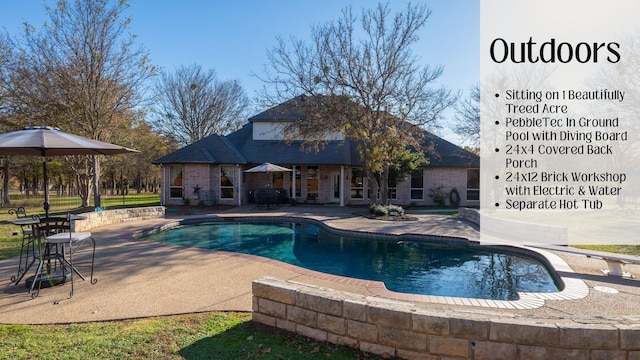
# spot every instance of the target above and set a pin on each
(46, 188)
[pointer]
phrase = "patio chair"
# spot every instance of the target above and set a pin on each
(27, 246)
(267, 197)
(60, 245)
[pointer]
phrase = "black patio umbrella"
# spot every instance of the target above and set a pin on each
(49, 141)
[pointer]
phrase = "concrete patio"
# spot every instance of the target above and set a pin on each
(139, 279)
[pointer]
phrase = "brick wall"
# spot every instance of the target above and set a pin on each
(207, 177)
(391, 328)
(449, 178)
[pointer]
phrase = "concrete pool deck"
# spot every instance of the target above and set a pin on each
(139, 279)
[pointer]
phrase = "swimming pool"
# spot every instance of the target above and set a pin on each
(416, 265)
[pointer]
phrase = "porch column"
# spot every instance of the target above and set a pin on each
(342, 185)
(239, 181)
(293, 182)
(163, 178)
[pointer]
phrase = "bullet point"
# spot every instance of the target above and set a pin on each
(497, 204)
(497, 150)
(497, 177)
(497, 122)
(497, 95)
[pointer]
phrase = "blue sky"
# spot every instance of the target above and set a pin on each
(232, 37)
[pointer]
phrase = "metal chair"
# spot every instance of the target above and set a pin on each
(60, 245)
(28, 245)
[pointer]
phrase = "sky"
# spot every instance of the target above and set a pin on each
(232, 37)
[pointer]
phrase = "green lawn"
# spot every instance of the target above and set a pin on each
(218, 335)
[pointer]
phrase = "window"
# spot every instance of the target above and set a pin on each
(357, 183)
(392, 189)
(226, 182)
(175, 182)
(277, 181)
(312, 182)
(417, 185)
(473, 184)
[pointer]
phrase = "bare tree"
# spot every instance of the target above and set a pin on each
(364, 82)
(7, 109)
(467, 124)
(83, 72)
(192, 104)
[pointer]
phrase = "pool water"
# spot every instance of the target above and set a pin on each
(408, 267)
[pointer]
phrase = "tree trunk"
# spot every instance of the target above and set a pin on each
(96, 181)
(84, 189)
(5, 182)
(375, 187)
(84, 182)
(384, 179)
(36, 189)
(25, 183)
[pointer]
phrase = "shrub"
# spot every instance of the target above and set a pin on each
(383, 210)
(378, 210)
(395, 208)
(438, 195)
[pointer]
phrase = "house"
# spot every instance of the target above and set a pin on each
(213, 170)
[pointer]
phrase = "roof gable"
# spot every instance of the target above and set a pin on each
(282, 152)
(209, 150)
(239, 147)
(442, 153)
(286, 112)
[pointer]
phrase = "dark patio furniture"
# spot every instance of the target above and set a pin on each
(27, 249)
(268, 197)
(57, 245)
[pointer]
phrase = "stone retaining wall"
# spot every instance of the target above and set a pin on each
(392, 328)
(471, 215)
(107, 217)
(511, 230)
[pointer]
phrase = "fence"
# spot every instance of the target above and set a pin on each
(65, 202)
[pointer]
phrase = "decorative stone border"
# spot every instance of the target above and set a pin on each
(530, 232)
(400, 329)
(107, 217)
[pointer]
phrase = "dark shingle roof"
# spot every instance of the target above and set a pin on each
(240, 148)
(287, 111)
(283, 153)
(209, 150)
(442, 153)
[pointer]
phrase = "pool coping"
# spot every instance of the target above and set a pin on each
(574, 288)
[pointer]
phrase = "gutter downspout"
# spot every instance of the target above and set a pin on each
(239, 172)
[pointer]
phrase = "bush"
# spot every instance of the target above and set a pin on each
(395, 209)
(378, 210)
(383, 210)
(438, 195)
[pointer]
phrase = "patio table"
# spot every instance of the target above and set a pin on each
(31, 251)
(61, 228)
